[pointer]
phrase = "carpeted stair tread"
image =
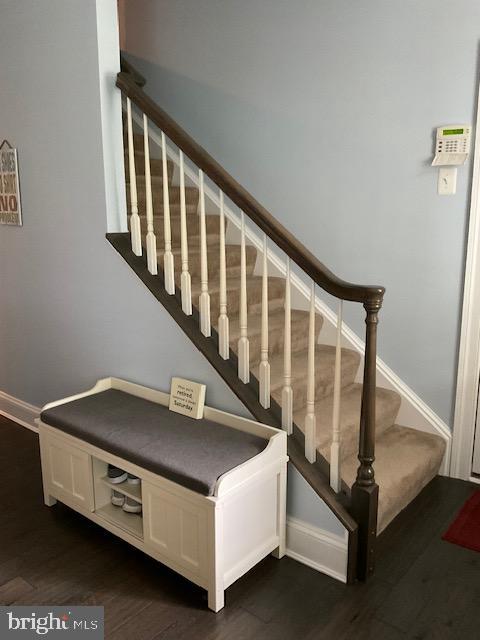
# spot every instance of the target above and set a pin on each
(191, 196)
(138, 140)
(156, 165)
(406, 460)
(232, 260)
(324, 373)
(191, 193)
(387, 406)
(276, 294)
(193, 229)
(156, 179)
(276, 323)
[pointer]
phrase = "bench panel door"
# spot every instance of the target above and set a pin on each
(68, 472)
(175, 529)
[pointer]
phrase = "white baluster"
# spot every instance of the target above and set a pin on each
(287, 391)
(204, 300)
(168, 267)
(185, 279)
(335, 449)
(243, 344)
(151, 239)
(135, 231)
(310, 418)
(264, 369)
(223, 324)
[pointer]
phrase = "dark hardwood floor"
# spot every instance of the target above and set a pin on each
(423, 589)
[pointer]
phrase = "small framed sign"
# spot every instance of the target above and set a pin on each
(10, 208)
(187, 397)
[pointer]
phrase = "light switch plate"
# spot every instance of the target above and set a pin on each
(447, 181)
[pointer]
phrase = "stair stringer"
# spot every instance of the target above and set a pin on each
(413, 411)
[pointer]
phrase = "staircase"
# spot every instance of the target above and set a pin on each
(315, 390)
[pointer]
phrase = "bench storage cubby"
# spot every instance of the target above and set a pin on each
(213, 491)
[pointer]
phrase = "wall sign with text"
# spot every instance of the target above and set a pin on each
(187, 397)
(10, 207)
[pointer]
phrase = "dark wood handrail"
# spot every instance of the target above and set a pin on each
(127, 67)
(245, 201)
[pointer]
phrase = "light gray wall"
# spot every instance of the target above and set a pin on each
(325, 110)
(71, 310)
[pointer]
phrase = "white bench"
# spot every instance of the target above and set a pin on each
(210, 539)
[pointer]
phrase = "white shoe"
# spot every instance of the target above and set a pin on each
(131, 479)
(132, 506)
(116, 475)
(117, 498)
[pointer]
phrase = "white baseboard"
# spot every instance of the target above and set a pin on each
(19, 411)
(317, 548)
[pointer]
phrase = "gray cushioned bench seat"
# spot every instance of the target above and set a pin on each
(192, 453)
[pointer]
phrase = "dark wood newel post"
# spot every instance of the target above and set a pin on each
(365, 490)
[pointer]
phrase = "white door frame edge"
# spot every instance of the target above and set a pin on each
(469, 352)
